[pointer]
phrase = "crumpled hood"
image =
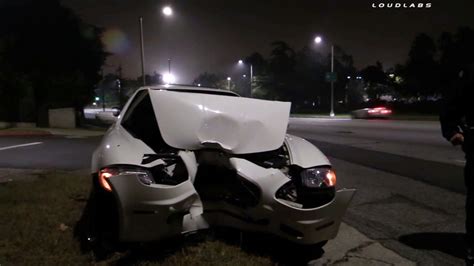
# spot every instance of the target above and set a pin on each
(193, 121)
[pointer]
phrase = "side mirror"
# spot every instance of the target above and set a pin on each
(116, 112)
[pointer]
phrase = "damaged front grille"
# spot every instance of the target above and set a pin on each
(217, 183)
(271, 159)
(173, 172)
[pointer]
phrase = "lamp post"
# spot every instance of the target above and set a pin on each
(169, 65)
(167, 11)
(142, 50)
(318, 40)
(241, 62)
(228, 83)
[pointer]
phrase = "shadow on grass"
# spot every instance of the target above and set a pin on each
(216, 246)
(449, 243)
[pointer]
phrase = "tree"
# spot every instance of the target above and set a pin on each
(52, 56)
(422, 70)
(299, 76)
(218, 81)
(208, 80)
(375, 80)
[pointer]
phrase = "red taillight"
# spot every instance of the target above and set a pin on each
(379, 110)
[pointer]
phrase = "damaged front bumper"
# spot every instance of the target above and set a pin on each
(154, 212)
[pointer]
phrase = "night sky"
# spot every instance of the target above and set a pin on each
(211, 35)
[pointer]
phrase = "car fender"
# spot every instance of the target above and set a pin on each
(119, 147)
(303, 153)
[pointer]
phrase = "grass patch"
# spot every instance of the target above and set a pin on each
(37, 220)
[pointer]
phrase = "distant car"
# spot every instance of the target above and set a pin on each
(102, 114)
(375, 112)
(179, 159)
(108, 116)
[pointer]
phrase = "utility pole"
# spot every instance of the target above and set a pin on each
(251, 79)
(332, 81)
(142, 49)
(169, 66)
(119, 84)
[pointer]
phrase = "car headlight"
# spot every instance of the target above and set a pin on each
(143, 175)
(309, 188)
(172, 172)
(318, 177)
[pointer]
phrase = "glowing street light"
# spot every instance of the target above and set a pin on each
(169, 78)
(167, 11)
(241, 62)
(318, 40)
(228, 83)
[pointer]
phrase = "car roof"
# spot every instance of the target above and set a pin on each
(191, 89)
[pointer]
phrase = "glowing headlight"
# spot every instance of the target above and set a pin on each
(144, 176)
(318, 177)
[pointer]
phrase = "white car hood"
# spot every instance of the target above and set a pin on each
(193, 121)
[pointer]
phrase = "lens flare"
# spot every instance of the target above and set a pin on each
(169, 78)
(115, 41)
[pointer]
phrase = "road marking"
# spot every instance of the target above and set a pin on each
(20, 145)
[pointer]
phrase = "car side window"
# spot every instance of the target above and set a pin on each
(141, 123)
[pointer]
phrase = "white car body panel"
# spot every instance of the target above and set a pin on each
(118, 147)
(305, 154)
(237, 125)
(186, 122)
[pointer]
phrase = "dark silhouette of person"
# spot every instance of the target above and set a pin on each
(457, 125)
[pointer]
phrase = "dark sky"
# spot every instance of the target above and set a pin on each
(211, 35)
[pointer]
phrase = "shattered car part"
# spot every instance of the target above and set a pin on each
(181, 159)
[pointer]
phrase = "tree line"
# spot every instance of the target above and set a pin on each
(49, 58)
(299, 76)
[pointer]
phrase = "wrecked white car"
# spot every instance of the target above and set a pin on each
(180, 159)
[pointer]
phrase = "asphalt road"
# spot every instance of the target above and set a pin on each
(415, 139)
(409, 180)
(47, 152)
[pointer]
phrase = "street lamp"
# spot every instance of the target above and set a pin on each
(319, 40)
(228, 83)
(169, 78)
(241, 62)
(167, 11)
